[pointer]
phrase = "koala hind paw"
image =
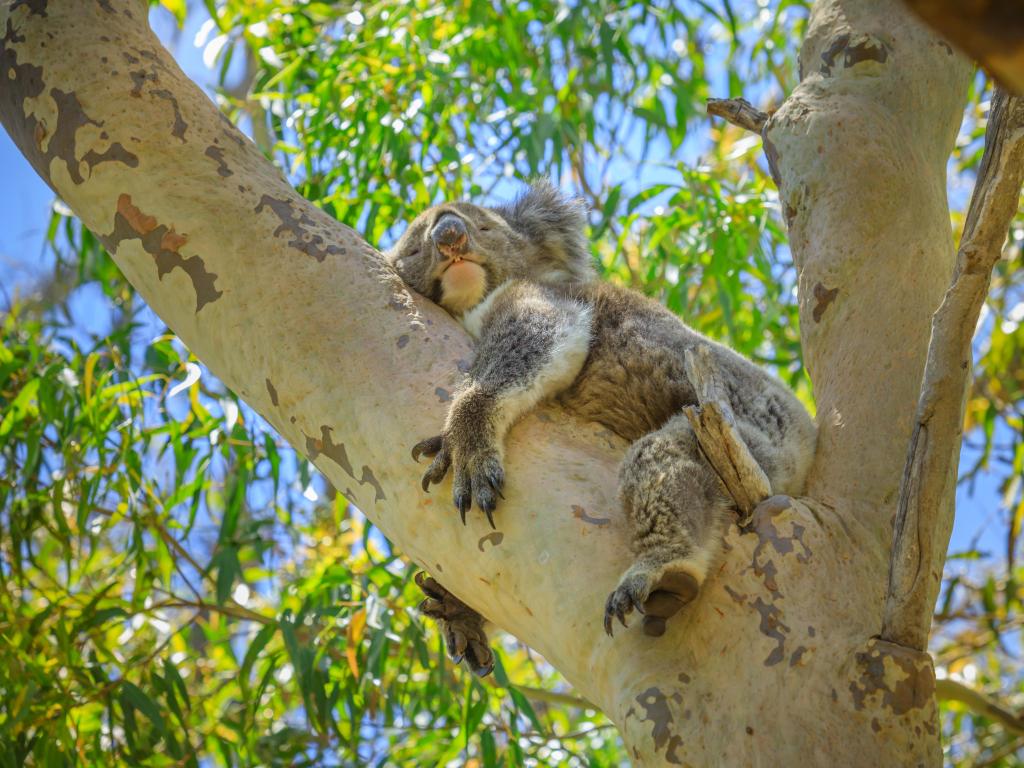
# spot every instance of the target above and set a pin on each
(657, 595)
(461, 626)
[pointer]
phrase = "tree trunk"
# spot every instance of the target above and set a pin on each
(775, 664)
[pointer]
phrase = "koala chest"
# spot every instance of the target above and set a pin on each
(634, 378)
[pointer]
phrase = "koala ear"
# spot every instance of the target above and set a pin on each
(555, 223)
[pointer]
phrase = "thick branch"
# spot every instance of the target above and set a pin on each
(924, 513)
(714, 424)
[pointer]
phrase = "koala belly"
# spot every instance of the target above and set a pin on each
(634, 378)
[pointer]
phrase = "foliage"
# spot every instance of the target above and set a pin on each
(179, 587)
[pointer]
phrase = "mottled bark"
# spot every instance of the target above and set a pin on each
(774, 664)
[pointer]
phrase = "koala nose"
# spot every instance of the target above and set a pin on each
(450, 235)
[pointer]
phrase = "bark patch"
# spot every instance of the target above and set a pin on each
(893, 676)
(581, 514)
(494, 538)
(272, 392)
(855, 49)
(164, 245)
(217, 155)
(180, 126)
(768, 535)
(325, 445)
(823, 297)
(70, 118)
(25, 81)
(297, 224)
(371, 479)
(35, 7)
(658, 712)
(771, 626)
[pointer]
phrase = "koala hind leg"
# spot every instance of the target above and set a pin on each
(677, 512)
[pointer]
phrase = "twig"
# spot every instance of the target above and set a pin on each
(739, 112)
(554, 697)
(980, 703)
(714, 424)
(924, 513)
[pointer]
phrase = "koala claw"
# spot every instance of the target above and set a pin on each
(429, 447)
(478, 478)
(622, 601)
(436, 447)
(657, 602)
(463, 501)
(461, 626)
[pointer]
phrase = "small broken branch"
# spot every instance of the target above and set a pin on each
(739, 112)
(980, 703)
(714, 424)
(923, 521)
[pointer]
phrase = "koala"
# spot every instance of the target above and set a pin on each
(521, 281)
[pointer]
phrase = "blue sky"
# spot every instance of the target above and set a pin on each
(25, 206)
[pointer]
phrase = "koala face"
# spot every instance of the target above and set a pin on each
(457, 253)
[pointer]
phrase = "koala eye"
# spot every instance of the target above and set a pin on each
(485, 229)
(410, 254)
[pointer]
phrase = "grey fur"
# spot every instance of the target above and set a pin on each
(548, 330)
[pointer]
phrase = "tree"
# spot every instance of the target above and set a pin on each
(153, 170)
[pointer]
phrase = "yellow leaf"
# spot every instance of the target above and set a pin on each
(355, 635)
(90, 367)
(176, 7)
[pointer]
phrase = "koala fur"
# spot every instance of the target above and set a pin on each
(520, 279)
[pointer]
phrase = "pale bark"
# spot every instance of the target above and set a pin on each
(774, 664)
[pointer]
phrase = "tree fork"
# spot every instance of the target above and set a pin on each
(301, 318)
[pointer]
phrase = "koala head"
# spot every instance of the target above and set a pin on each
(457, 253)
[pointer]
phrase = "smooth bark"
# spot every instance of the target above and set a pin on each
(775, 663)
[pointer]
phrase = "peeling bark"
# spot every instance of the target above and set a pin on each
(774, 662)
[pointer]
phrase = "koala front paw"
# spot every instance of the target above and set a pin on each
(478, 473)
(656, 593)
(461, 626)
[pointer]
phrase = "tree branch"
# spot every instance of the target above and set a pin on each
(739, 112)
(980, 703)
(991, 32)
(298, 315)
(924, 513)
(714, 424)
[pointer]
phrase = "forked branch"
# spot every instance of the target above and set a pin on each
(923, 520)
(714, 424)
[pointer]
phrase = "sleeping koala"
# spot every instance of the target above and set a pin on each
(521, 281)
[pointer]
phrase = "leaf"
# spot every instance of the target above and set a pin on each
(259, 642)
(355, 635)
(133, 695)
